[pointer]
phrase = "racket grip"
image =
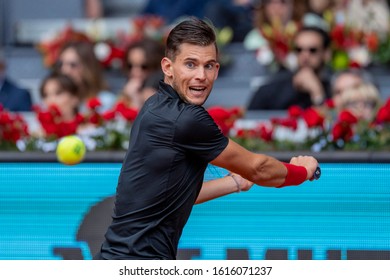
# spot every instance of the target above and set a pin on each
(317, 173)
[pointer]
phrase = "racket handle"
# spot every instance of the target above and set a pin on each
(317, 173)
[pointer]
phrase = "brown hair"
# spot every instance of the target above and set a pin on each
(92, 77)
(192, 31)
(154, 51)
(298, 9)
(65, 82)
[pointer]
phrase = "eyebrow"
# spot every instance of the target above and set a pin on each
(197, 60)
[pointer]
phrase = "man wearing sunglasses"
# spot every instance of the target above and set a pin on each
(307, 86)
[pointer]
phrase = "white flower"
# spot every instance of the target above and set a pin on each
(359, 55)
(102, 51)
(264, 55)
(291, 61)
(300, 135)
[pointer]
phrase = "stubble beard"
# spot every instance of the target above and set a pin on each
(184, 97)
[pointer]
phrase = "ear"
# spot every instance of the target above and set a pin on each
(217, 66)
(166, 66)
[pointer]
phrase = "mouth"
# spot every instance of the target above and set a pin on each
(198, 90)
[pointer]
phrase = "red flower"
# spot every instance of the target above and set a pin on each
(330, 103)
(383, 114)
(372, 41)
(53, 124)
(337, 35)
(347, 117)
(246, 133)
(313, 118)
(109, 115)
(95, 118)
(265, 132)
(342, 131)
(114, 56)
(93, 103)
(287, 122)
(224, 118)
(12, 127)
(280, 48)
(344, 37)
(5, 118)
(354, 64)
(295, 111)
(127, 112)
(343, 128)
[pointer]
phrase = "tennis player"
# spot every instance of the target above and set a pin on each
(172, 142)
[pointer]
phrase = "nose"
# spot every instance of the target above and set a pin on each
(66, 69)
(201, 73)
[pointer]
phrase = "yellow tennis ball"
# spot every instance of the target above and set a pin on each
(70, 150)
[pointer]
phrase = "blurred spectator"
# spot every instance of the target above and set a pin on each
(347, 79)
(93, 9)
(142, 59)
(61, 91)
(361, 101)
(274, 14)
(151, 84)
(171, 10)
(78, 60)
(236, 14)
(307, 86)
(339, 11)
(112, 8)
(320, 13)
(12, 97)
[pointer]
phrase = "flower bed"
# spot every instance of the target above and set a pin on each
(314, 129)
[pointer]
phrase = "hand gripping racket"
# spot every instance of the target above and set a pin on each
(317, 173)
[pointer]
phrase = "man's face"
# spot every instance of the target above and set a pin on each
(193, 72)
(309, 50)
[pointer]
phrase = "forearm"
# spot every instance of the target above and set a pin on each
(264, 170)
(267, 172)
(217, 188)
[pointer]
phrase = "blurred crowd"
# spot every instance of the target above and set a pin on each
(296, 40)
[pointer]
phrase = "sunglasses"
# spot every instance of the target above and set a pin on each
(71, 64)
(142, 66)
(311, 50)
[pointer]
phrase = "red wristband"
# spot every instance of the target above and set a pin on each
(296, 175)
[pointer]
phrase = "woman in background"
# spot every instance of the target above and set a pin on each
(142, 59)
(78, 60)
(59, 114)
(361, 101)
(59, 90)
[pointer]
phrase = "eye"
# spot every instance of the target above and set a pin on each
(190, 64)
(209, 66)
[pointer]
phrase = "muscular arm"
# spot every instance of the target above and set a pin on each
(261, 169)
